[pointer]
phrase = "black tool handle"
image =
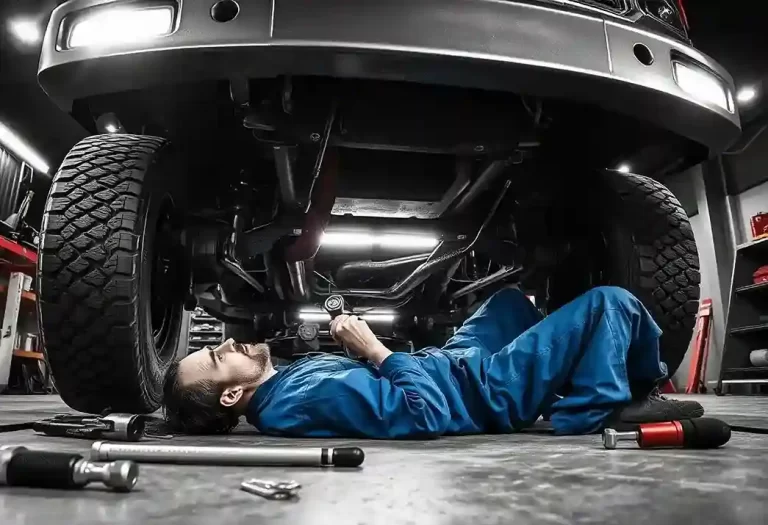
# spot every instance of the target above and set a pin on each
(32, 468)
(61, 429)
(705, 432)
(347, 457)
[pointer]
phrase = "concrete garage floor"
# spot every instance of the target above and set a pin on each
(510, 479)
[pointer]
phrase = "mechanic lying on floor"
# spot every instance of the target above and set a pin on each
(593, 362)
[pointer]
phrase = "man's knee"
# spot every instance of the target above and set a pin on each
(506, 298)
(612, 295)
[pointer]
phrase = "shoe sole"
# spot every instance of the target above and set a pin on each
(629, 426)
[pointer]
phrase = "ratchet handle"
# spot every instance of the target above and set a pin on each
(334, 305)
(32, 468)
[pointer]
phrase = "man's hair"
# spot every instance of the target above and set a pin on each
(195, 408)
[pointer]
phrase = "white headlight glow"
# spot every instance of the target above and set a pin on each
(702, 85)
(120, 25)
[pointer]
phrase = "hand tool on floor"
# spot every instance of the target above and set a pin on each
(702, 432)
(271, 489)
(249, 456)
(117, 427)
(62, 470)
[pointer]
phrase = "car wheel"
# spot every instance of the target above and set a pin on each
(111, 276)
(638, 237)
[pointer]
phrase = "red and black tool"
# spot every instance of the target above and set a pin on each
(703, 432)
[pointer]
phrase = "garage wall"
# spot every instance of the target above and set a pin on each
(709, 289)
(746, 176)
(751, 202)
(746, 182)
(10, 179)
(749, 168)
(688, 187)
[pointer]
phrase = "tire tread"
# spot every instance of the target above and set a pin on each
(668, 262)
(88, 278)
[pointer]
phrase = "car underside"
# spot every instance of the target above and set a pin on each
(257, 198)
(318, 186)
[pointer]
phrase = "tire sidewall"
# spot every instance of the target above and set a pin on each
(624, 226)
(161, 187)
(633, 229)
(94, 316)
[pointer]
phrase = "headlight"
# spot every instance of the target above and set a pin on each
(119, 25)
(703, 85)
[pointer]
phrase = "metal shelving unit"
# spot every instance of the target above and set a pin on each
(204, 330)
(747, 326)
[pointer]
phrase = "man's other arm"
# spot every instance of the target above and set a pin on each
(403, 403)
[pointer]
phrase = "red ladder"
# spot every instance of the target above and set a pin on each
(698, 369)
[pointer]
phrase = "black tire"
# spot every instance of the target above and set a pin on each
(644, 244)
(655, 257)
(107, 264)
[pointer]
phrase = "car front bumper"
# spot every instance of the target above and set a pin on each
(489, 44)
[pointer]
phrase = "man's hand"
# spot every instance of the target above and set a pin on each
(359, 338)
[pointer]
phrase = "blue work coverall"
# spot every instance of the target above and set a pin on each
(503, 368)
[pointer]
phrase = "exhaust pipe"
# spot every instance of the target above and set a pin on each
(489, 175)
(355, 269)
(298, 274)
(486, 281)
(284, 159)
(443, 256)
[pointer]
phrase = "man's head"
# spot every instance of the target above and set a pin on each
(207, 391)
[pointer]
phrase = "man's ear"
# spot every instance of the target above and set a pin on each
(231, 396)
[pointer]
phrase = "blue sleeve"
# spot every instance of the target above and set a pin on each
(403, 403)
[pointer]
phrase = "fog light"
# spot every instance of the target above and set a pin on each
(702, 85)
(746, 95)
(27, 31)
(109, 123)
(120, 25)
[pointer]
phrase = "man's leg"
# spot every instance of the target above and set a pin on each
(585, 343)
(500, 319)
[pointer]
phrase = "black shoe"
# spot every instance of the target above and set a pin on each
(653, 409)
(693, 408)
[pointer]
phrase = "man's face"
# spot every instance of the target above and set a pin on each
(234, 366)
